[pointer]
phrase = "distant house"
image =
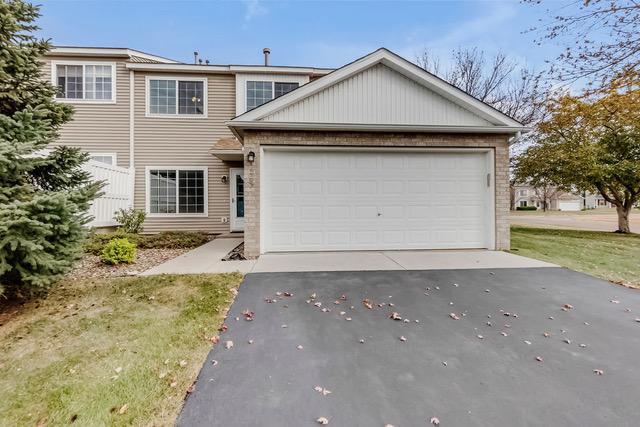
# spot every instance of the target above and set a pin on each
(526, 196)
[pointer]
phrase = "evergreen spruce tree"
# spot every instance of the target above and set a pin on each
(44, 197)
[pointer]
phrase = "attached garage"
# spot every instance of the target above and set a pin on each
(569, 205)
(377, 155)
(329, 199)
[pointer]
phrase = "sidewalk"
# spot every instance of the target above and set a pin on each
(207, 259)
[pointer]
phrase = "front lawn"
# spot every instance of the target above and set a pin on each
(109, 352)
(610, 256)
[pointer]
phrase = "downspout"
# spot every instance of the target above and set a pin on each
(132, 163)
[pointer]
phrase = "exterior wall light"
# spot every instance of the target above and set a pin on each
(225, 179)
(251, 157)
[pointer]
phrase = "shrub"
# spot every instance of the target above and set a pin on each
(118, 251)
(130, 220)
(526, 208)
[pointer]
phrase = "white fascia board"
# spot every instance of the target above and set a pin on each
(398, 64)
(231, 69)
(107, 51)
(238, 126)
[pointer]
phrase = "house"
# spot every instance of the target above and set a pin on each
(525, 195)
(378, 154)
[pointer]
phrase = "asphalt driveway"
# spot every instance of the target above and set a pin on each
(465, 372)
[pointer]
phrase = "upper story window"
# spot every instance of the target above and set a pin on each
(176, 96)
(523, 193)
(84, 82)
(259, 92)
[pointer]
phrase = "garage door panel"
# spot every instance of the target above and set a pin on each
(365, 200)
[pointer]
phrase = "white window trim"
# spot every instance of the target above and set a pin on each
(54, 81)
(205, 95)
(114, 156)
(147, 178)
(273, 89)
(242, 79)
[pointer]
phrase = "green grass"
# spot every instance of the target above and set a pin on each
(609, 256)
(164, 240)
(61, 355)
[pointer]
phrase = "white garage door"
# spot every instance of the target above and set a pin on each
(348, 200)
(569, 205)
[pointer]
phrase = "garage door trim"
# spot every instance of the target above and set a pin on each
(490, 158)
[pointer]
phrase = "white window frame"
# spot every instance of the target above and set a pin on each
(54, 81)
(205, 96)
(273, 89)
(242, 79)
(147, 178)
(114, 157)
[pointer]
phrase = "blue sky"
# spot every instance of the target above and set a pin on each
(323, 34)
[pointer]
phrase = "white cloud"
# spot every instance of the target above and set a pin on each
(254, 8)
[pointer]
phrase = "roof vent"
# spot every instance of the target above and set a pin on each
(266, 52)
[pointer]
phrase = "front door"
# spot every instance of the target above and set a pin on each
(237, 199)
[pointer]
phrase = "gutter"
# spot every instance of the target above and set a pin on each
(237, 127)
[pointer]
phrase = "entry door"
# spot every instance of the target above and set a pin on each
(324, 200)
(237, 199)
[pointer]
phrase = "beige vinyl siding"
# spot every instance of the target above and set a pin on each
(99, 128)
(185, 141)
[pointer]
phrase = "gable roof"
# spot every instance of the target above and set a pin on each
(410, 99)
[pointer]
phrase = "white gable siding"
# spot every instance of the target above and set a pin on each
(377, 95)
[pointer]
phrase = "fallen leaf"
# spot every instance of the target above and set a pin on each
(183, 363)
(250, 341)
(173, 383)
(454, 316)
(118, 370)
(191, 388)
(402, 338)
(598, 371)
(395, 316)
(123, 409)
(367, 303)
(343, 297)
(435, 421)
(539, 359)
(288, 294)
(546, 334)
(313, 296)
(567, 341)
(527, 342)
(480, 337)
(567, 306)
(361, 340)
(223, 328)
(348, 319)
(322, 420)
(615, 301)
(504, 334)
(215, 339)
(228, 344)
(248, 314)
(299, 347)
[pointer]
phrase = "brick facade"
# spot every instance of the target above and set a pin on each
(254, 139)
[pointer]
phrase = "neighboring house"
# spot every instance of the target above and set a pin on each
(526, 195)
(378, 154)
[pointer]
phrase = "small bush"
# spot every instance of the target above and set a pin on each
(526, 208)
(130, 220)
(119, 251)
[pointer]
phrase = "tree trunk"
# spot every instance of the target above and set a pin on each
(623, 219)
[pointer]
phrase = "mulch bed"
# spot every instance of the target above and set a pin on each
(90, 266)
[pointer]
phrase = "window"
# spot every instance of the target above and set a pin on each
(283, 88)
(108, 158)
(84, 82)
(177, 191)
(523, 203)
(523, 193)
(260, 92)
(181, 97)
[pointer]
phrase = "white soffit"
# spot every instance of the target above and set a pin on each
(379, 89)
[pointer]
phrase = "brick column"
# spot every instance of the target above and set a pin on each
(251, 198)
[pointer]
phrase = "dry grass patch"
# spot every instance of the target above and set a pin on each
(109, 352)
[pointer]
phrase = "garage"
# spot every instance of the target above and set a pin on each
(376, 155)
(332, 199)
(569, 205)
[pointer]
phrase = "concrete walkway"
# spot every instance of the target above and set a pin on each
(207, 259)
